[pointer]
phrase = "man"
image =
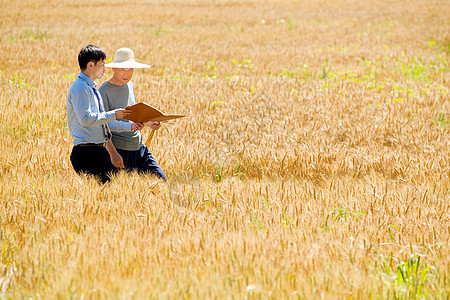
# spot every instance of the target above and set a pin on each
(117, 92)
(88, 120)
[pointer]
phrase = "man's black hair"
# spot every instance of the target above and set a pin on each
(90, 53)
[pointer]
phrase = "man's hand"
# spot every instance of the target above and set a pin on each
(137, 126)
(153, 125)
(117, 161)
(121, 113)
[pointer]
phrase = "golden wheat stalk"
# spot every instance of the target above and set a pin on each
(149, 138)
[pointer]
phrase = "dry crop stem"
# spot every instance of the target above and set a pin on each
(313, 162)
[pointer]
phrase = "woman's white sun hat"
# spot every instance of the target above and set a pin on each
(124, 58)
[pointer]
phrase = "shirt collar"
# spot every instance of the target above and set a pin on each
(88, 81)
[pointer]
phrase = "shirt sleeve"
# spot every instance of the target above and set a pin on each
(86, 109)
(119, 126)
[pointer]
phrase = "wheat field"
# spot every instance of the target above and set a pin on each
(313, 163)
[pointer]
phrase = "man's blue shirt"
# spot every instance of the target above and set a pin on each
(83, 114)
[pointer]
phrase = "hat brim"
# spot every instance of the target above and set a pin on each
(127, 65)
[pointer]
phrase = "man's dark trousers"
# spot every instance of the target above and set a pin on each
(92, 159)
(142, 161)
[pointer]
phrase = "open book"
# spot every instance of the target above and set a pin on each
(142, 112)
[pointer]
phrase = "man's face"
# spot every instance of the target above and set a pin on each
(98, 69)
(122, 76)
